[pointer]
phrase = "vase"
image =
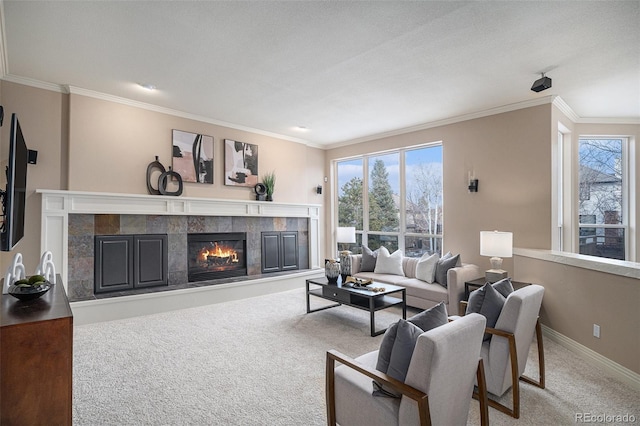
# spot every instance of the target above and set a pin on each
(345, 264)
(154, 166)
(332, 270)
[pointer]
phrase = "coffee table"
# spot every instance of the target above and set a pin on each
(361, 298)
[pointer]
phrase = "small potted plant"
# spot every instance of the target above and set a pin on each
(269, 181)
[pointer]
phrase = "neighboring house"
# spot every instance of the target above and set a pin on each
(600, 203)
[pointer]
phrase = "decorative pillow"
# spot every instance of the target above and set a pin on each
(442, 267)
(389, 263)
(504, 286)
(431, 318)
(396, 344)
(369, 257)
(386, 346)
(426, 268)
(400, 357)
(486, 301)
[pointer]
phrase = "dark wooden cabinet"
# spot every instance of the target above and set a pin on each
(113, 263)
(279, 251)
(289, 251)
(124, 262)
(36, 355)
(150, 260)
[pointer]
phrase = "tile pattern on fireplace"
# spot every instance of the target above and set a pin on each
(84, 227)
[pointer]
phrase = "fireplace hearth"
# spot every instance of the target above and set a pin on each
(216, 255)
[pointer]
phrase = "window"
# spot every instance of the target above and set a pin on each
(402, 207)
(602, 200)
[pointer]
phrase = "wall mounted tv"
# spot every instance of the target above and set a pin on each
(15, 196)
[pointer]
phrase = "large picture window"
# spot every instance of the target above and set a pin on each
(402, 205)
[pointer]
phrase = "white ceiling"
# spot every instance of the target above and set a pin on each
(344, 70)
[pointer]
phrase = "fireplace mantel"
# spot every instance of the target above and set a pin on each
(57, 205)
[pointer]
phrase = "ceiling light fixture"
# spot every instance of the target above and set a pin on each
(543, 83)
(302, 128)
(147, 86)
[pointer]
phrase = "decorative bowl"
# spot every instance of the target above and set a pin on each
(29, 292)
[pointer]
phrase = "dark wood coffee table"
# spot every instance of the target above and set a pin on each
(361, 298)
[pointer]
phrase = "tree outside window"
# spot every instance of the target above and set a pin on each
(417, 204)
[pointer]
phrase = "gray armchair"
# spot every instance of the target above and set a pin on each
(505, 354)
(437, 390)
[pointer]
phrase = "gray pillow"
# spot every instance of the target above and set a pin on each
(431, 318)
(504, 286)
(384, 353)
(369, 258)
(390, 355)
(442, 267)
(401, 352)
(488, 302)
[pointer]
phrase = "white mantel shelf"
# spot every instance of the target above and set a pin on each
(113, 203)
(57, 205)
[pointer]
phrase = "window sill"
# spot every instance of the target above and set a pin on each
(609, 266)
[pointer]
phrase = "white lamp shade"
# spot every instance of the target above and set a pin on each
(496, 243)
(346, 234)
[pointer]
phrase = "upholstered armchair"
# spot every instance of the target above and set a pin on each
(437, 390)
(505, 353)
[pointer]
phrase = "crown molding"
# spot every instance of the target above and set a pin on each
(26, 81)
(67, 89)
(3, 44)
(151, 107)
(447, 121)
(607, 120)
(557, 101)
(568, 111)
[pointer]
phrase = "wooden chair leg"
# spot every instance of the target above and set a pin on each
(331, 390)
(540, 383)
(515, 386)
(482, 395)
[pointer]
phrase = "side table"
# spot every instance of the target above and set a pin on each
(469, 286)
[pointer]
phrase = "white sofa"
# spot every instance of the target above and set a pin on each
(421, 294)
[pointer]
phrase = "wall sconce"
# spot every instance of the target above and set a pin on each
(319, 189)
(473, 183)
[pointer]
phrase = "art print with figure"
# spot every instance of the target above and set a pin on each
(240, 163)
(193, 156)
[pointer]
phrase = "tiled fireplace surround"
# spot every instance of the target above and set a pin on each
(84, 227)
(71, 219)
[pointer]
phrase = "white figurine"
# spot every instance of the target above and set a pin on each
(14, 273)
(46, 268)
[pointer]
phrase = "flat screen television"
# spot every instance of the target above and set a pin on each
(15, 197)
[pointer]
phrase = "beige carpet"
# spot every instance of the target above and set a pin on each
(260, 361)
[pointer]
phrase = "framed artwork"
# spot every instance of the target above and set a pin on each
(240, 163)
(192, 156)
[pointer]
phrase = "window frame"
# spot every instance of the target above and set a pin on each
(402, 233)
(567, 224)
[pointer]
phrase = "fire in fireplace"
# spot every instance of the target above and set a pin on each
(218, 255)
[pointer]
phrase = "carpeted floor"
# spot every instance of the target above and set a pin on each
(260, 361)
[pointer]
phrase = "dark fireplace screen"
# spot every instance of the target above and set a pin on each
(219, 255)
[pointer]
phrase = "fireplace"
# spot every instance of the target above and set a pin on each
(217, 255)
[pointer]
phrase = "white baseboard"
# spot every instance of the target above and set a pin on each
(91, 311)
(613, 368)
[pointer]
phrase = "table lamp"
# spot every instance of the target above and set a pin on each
(345, 235)
(497, 245)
